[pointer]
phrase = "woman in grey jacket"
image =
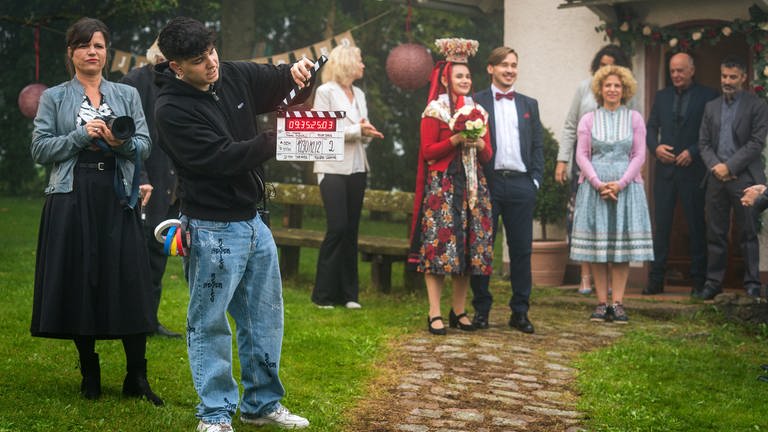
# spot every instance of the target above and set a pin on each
(92, 270)
(342, 184)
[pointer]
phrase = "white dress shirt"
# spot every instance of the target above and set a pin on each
(508, 156)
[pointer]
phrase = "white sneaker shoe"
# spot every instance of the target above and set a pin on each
(353, 305)
(280, 417)
(214, 427)
(324, 306)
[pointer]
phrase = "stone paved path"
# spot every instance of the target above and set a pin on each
(487, 381)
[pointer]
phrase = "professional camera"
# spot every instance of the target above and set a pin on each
(122, 127)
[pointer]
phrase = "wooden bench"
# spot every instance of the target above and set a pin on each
(380, 251)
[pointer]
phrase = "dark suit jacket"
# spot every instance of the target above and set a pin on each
(750, 129)
(531, 134)
(661, 130)
(157, 169)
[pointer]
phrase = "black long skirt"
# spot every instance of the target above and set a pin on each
(92, 271)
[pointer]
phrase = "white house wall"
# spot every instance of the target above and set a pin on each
(555, 48)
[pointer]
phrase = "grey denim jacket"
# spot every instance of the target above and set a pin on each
(58, 140)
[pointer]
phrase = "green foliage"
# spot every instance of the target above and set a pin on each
(552, 198)
(282, 26)
(133, 26)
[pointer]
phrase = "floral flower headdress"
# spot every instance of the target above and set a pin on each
(457, 49)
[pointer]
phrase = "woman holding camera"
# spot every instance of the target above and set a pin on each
(92, 270)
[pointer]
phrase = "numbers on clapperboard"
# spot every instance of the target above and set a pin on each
(330, 142)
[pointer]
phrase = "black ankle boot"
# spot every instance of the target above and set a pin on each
(90, 387)
(136, 384)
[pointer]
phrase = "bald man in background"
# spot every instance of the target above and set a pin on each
(673, 135)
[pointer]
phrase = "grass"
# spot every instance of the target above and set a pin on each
(694, 375)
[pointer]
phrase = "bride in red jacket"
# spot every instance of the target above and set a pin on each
(451, 232)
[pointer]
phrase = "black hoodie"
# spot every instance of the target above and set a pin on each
(213, 140)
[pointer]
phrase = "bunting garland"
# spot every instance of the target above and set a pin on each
(124, 61)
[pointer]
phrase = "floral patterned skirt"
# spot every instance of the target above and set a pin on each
(453, 238)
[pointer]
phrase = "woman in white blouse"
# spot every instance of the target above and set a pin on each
(342, 184)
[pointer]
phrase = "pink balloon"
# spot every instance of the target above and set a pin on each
(409, 66)
(29, 98)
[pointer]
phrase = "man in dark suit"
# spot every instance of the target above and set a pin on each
(513, 175)
(673, 136)
(731, 142)
(158, 179)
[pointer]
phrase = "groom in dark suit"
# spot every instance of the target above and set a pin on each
(731, 142)
(514, 176)
(673, 136)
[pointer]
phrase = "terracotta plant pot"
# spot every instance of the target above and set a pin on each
(548, 262)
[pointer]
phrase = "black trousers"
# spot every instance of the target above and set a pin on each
(514, 199)
(721, 198)
(336, 281)
(157, 258)
(666, 192)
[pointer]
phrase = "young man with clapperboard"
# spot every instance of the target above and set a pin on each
(205, 115)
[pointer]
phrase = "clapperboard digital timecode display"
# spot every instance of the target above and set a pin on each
(310, 125)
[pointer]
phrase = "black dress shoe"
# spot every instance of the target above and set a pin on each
(436, 331)
(653, 287)
(754, 292)
(164, 332)
(480, 322)
(764, 367)
(763, 378)
(454, 321)
(520, 322)
(709, 291)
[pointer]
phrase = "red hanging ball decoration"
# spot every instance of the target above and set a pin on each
(409, 66)
(29, 98)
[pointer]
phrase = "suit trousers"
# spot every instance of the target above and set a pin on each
(666, 192)
(513, 198)
(336, 281)
(721, 198)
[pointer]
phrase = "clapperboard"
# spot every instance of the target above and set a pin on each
(309, 135)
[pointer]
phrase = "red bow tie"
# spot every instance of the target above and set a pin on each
(510, 95)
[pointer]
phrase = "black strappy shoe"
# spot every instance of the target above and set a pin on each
(454, 321)
(436, 331)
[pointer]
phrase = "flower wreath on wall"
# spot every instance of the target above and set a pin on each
(629, 31)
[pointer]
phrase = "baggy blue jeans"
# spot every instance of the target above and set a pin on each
(233, 267)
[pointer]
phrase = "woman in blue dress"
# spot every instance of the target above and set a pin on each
(611, 222)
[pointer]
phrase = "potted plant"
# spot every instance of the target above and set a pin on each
(550, 255)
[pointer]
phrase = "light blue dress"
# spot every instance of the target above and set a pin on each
(611, 231)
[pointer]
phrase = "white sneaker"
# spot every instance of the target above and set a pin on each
(353, 305)
(324, 306)
(280, 417)
(214, 427)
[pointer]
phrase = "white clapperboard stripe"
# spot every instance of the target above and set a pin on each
(295, 90)
(315, 114)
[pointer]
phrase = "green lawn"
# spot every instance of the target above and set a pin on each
(697, 375)
(693, 375)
